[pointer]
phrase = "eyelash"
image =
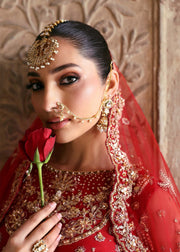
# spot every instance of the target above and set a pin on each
(32, 86)
(70, 80)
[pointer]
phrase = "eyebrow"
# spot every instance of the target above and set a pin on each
(60, 68)
(55, 70)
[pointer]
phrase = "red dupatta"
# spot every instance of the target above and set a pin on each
(145, 202)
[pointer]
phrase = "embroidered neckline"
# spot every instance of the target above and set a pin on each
(82, 199)
(50, 167)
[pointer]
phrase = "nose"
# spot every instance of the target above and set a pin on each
(50, 98)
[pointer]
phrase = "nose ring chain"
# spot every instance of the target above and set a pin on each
(62, 109)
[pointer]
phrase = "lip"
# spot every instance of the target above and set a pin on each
(55, 123)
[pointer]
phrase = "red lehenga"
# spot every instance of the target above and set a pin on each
(136, 207)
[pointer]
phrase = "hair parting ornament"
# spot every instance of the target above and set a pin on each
(40, 54)
(106, 104)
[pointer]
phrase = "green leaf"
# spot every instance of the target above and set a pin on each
(48, 157)
(30, 168)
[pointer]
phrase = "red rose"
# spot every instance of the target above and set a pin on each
(39, 147)
(41, 139)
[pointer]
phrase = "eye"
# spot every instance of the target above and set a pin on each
(68, 80)
(35, 86)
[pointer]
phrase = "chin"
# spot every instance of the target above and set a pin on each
(63, 139)
(70, 136)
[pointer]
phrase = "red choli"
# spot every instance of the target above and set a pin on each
(82, 199)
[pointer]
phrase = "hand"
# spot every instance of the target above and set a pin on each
(34, 229)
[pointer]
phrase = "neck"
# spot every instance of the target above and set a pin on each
(87, 153)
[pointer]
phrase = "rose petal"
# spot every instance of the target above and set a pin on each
(48, 146)
(39, 139)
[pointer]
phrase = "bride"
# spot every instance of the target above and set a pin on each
(106, 185)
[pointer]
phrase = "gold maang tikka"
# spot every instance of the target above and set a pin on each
(40, 54)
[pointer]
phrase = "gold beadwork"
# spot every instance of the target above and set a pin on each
(84, 210)
(62, 109)
(42, 50)
(40, 246)
(103, 121)
(48, 29)
(106, 106)
(41, 53)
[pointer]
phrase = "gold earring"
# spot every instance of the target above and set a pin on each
(106, 106)
(103, 121)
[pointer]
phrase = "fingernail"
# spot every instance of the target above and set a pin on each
(59, 237)
(59, 216)
(59, 225)
(52, 204)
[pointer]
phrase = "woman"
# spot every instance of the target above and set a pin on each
(107, 187)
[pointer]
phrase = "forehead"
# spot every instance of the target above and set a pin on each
(68, 54)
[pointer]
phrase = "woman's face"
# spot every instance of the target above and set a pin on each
(72, 80)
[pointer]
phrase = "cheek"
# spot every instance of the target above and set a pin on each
(36, 102)
(87, 99)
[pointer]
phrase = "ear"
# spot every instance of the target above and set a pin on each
(112, 83)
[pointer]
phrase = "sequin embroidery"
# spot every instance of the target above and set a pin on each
(126, 176)
(82, 199)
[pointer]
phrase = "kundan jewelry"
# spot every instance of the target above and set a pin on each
(41, 53)
(40, 246)
(105, 108)
(103, 121)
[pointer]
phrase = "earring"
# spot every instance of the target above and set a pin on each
(103, 120)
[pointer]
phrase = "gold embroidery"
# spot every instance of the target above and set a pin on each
(84, 211)
(80, 249)
(126, 176)
(99, 237)
(145, 236)
(17, 179)
(166, 183)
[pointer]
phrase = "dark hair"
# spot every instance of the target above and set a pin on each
(89, 42)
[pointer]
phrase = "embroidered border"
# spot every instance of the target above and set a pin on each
(85, 235)
(125, 177)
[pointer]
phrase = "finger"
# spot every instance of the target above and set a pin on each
(44, 228)
(55, 244)
(52, 235)
(34, 221)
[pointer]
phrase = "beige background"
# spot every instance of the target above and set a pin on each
(144, 38)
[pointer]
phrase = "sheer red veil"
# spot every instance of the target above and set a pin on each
(145, 201)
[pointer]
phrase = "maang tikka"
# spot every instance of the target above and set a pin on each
(40, 54)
